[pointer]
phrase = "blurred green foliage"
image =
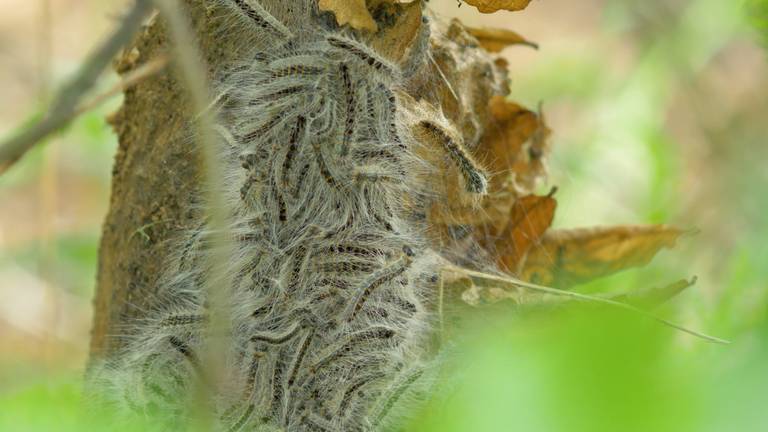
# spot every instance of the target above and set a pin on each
(57, 405)
(758, 14)
(598, 370)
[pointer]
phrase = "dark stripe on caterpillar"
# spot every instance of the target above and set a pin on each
(392, 102)
(296, 70)
(187, 352)
(278, 389)
(261, 18)
(327, 176)
(383, 221)
(302, 351)
(288, 91)
(182, 320)
(353, 250)
(346, 267)
(362, 52)
(238, 425)
(293, 144)
(263, 130)
(377, 279)
(282, 208)
(354, 340)
(253, 369)
(336, 283)
(298, 262)
(351, 390)
(395, 395)
(474, 177)
(300, 182)
(371, 178)
(349, 92)
(276, 339)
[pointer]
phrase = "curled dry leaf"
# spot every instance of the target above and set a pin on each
(352, 12)
(529, 219)
(505, 289)
(516, 143)
(491, 6)
(656, 296)
(564, 258)
(494, 39)
(475, 289)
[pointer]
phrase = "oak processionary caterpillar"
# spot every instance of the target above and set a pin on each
(333, 277)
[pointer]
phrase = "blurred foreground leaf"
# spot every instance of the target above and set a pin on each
(596, 370)
(757, 11)
(56, 405)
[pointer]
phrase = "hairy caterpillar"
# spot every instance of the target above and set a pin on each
(331, 323)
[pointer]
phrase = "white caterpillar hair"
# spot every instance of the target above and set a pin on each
(334, 280)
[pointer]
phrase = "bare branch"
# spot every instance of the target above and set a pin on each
(60, 112)
(132, 78)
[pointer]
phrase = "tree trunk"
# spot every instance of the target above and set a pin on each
(156, 175)
(342, 268)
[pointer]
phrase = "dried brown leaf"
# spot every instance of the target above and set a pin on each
(352, 12)
(530, 218)
(515, 143)
(395, 41)
(494, 39)
(568, 257)
(490, 6)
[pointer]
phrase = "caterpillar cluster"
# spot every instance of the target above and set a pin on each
(333, 278)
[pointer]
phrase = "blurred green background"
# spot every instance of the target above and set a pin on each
(660, 114)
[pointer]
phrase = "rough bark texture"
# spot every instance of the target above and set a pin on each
(156, 172)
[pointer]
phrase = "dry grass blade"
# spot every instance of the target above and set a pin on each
(192, 73)
(509, 282)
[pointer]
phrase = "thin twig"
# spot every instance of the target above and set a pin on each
(132, 78)
(508, 281)
(60, 112)
(192, 72)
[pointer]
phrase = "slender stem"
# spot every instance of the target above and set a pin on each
(60, 112)
(193, 74)
(132, 78)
